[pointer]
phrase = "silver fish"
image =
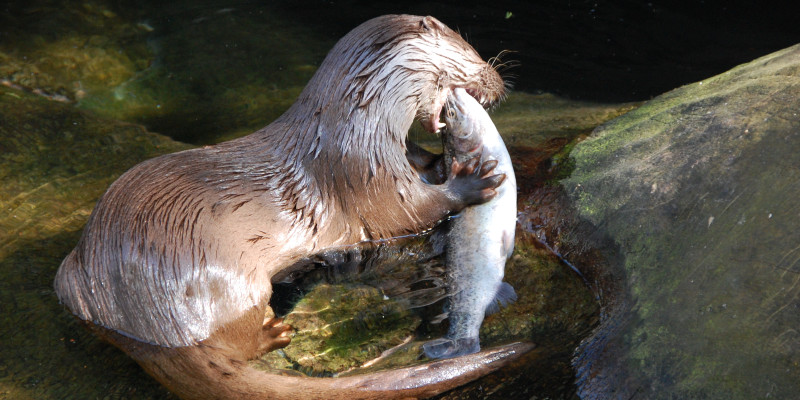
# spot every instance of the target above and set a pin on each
(481, 238)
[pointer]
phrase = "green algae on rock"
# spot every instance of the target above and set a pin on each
(215, 74)
(338, 327)
(700, 189)
(68, 51)
(526, 119)
(55, 162)
(172, 73)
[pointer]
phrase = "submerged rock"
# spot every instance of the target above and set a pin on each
(697, 195)
(339, 327)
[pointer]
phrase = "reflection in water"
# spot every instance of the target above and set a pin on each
(335, 297)
(406, 267)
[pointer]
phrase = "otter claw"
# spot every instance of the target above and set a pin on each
(495, 180)
(488, 166)
(466, 168)
(472, 182)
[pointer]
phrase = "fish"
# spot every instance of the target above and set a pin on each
(481, 238)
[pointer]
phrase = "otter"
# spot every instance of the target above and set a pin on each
(176, 262)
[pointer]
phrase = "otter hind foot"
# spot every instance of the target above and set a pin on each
(274, 335)
(449, 348)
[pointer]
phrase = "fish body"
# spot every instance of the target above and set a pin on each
(481, 238)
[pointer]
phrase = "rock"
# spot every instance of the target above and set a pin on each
(698, 192)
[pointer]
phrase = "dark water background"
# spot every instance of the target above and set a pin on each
(610, 51)
(209, 56)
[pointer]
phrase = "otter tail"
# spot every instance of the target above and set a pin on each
(208, 372)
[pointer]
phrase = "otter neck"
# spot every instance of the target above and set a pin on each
(342, 143)
(336, 164)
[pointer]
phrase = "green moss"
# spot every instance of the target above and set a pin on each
(552, 301)
(337, 327)
(56, 162)
(532, 119)
(698, 187)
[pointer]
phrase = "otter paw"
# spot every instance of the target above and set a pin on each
(472, 183)
(274, 335)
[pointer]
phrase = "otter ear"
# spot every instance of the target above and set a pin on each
(429, 23)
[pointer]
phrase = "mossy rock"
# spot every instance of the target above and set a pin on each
(339, 327)
(55, 162)
(700, 190)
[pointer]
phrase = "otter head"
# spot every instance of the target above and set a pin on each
(455, 64)
(394, 69)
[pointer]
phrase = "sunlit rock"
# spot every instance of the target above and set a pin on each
(698, 193)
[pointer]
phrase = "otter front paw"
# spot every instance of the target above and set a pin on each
(470, 183)
(274, 335)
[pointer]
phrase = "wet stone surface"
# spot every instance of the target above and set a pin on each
(698, 190)
(55, 161)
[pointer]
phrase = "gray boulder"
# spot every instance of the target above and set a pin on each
(698, 194)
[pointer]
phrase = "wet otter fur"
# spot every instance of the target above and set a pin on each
(175, 263)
